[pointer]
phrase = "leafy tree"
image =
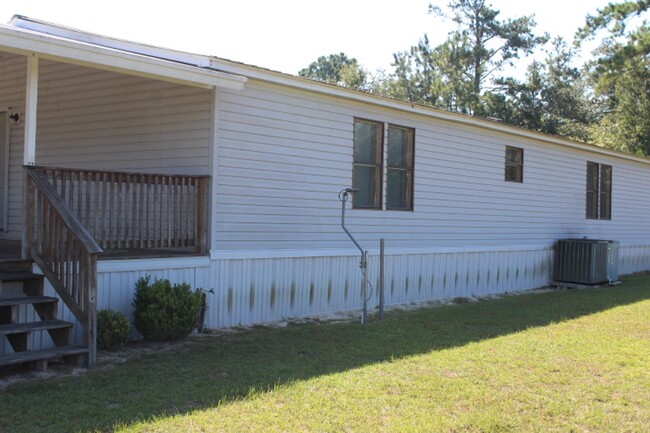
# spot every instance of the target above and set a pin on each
(566, 96)
(520, 103)
(621, 75)
(337, 69)
(457, 75)
(422, 75)
(489, 43)
(552, 99)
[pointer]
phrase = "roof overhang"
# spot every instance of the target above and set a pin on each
(46, 46)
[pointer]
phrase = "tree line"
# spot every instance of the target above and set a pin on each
(604, 101)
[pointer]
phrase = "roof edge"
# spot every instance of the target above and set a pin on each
(31, 37)
(78, 35)
(300, 83)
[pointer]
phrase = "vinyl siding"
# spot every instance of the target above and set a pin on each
(88, 118)
(12, 94)
(285, 154)
(95, 119)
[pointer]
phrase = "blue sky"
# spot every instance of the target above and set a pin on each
(284, 35)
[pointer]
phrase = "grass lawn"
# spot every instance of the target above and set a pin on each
(569, 360)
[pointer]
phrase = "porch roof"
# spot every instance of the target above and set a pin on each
(40, 40)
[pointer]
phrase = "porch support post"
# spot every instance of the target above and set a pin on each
(29, 154)
(31, 105)
(214, 168)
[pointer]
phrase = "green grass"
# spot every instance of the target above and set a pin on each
(576, 360)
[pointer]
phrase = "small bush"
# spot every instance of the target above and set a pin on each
(113, 329)
(165, 311)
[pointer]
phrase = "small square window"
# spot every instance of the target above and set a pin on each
(514, 170)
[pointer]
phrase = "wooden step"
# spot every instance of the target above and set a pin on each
(41, 355)
(13, 276)
(44, 306)
(15, 265)
(26, 300)
(19, 328)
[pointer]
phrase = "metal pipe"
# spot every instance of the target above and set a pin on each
(344, 195)
(364, 262)
(381, 279)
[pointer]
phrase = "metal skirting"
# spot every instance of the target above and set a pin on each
(266, 289)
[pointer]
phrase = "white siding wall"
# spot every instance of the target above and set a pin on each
(285, 154)
(88, 118)
(12, 94)
(280, 252)
(103, 120)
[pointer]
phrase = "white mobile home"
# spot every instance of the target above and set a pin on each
(119, 160)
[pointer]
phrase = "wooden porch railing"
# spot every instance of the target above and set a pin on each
(125, 211)
(65, 252)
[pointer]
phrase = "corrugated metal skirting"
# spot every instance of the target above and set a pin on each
(261, 290)
(248, 291)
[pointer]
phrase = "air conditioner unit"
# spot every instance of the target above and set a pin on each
(586, 261)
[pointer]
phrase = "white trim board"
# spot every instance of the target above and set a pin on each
(281, 254)
(152, 264)
(30, 43)
(105, 41)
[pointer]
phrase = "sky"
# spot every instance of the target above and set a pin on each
(285, 35)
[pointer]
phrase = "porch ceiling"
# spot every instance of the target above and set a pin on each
(30, 43)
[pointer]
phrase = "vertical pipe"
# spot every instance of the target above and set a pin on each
(364, 267)
(381, 279)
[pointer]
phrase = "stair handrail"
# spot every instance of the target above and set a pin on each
(65, 252)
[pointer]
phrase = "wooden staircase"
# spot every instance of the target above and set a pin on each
(31, 314)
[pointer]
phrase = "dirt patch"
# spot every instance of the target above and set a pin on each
(105, 361)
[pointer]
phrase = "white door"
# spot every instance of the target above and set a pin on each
(4, 169)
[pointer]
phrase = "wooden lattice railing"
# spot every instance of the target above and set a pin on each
(64, 251)
(125, 211)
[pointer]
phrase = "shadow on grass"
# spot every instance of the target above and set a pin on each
(217, 370)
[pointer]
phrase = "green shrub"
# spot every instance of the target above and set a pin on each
(113, 329)
(165, 311)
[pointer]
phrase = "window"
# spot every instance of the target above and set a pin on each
(599, 191)
(399, 168)
(367, 169)
(370, 163)
(514, 164)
